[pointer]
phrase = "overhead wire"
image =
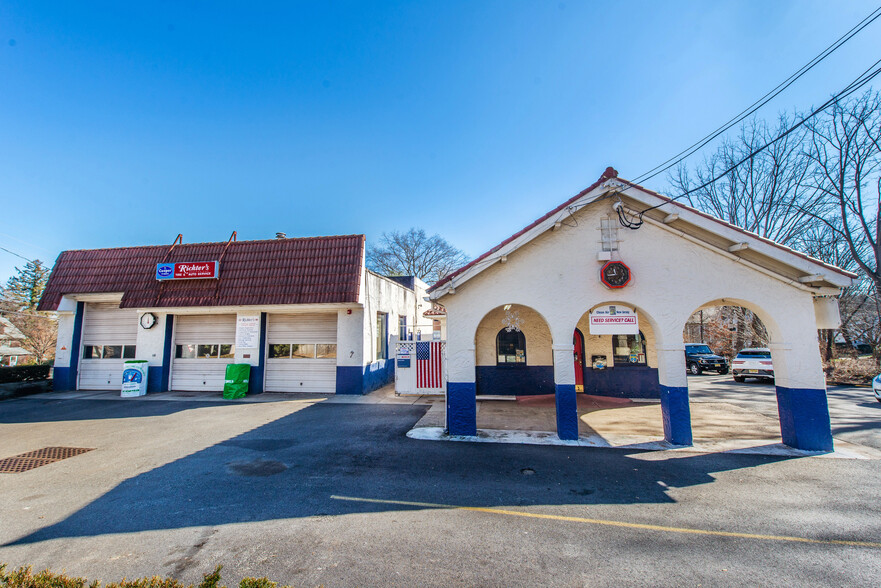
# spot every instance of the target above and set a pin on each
(755, 106)
(861, 80)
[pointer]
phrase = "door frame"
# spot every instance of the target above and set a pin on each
(578, 351)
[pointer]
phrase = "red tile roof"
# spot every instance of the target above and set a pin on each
(277, 271)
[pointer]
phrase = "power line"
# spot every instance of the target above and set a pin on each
(861, 80)
(755, 106)
(17, 254)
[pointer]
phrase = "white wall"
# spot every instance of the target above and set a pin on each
(557, 275)
(381, 294)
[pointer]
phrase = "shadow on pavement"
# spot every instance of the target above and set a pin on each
(290, 467)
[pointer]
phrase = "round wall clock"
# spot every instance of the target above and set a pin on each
(615, 274)
(148, 319)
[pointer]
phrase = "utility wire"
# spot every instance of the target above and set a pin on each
(17, 255)
(689, 151)
(861, 80)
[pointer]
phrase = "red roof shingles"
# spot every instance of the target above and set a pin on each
(279, 271)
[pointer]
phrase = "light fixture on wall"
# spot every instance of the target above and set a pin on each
(512, 321)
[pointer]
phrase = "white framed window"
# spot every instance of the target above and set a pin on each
(609, 234)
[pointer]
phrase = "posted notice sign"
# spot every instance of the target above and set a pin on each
(248, 332)
(614, 320)
(188, 270)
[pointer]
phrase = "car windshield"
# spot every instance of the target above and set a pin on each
(699, 349)
(755, 353)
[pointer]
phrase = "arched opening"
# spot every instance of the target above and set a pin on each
(620, 359)
(513, 354)
(730, 374)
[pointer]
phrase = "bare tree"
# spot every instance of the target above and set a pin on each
(40, 333)
(845, 150)
(767, 194)
(414, 254)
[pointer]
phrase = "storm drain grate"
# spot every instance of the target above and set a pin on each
(40, 457)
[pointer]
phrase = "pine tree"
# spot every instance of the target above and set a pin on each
(25, 289)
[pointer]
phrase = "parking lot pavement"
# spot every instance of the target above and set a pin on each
(854, 412)
(311, 493)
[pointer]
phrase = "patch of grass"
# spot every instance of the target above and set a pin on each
(857, 371)
(25, 578)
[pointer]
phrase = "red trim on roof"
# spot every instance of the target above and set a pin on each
(312, 270)
(607, 175)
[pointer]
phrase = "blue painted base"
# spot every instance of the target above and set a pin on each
(378, 374)
(462, 408)
(63, 379)
(623, 382)
(255, 380)
(567, 411)
(523, 380)
(352, 379)
(154, 379)
(804, 418)
(676, 415)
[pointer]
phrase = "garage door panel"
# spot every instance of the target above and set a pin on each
(301, 375)
(106, 324)
(194, 375)
(301, 328)
(202, 375)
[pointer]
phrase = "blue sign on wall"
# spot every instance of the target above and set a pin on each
(164, 271)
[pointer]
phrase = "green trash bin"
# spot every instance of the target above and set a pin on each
(236, 384)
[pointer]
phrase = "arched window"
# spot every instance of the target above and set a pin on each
(629, 350)
(510, 348)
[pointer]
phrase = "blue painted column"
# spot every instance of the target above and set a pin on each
(167, 350)
(567, 412)
(676, 415)
(255, 385)
(804, 418)
(462, 408)
(675, 412)
(64, 378)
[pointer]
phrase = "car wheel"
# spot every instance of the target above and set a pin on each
(739, 379)
(695, 369)
(723, 372)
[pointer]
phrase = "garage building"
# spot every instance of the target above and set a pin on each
(305, 313)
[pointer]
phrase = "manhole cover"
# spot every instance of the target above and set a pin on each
(258, 468)
(40, 457)
(527, 471)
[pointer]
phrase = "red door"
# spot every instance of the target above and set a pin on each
(578, 343)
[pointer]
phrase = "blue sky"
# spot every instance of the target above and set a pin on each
(128, 123)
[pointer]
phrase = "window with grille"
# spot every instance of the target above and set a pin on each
(609, 234)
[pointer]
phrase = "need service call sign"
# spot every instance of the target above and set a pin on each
(188, 270)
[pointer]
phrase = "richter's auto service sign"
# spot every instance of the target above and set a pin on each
(614, 320)
(188, 270)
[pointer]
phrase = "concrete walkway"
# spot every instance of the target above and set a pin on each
(626, 424)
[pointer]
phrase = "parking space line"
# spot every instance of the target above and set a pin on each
(608, 523)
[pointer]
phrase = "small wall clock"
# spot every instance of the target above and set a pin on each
(148, 319)
(615, 274)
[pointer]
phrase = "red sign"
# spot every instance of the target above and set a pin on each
(187, 270)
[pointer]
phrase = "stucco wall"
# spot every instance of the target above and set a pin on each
(557, 274)
(533, 326)
(603, 344)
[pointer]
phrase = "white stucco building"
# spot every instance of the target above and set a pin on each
(519, 316)
(304, 313)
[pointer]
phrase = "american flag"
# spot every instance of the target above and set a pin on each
(428, 364)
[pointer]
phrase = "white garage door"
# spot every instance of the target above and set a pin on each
(302, 353)
(203, 346)
(109, 336)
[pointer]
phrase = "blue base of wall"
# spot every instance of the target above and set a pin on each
(530, 380)
(154, 379)
(461, 408)
(363, 380)
(804, 418)
(255, 380)
(676, 415)
(61, 379)
(623, 382)
(567, 411)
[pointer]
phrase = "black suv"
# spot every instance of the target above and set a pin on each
(700, 358)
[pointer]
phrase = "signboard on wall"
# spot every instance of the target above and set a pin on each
(613, 319)
(247, 332)
(188, 270)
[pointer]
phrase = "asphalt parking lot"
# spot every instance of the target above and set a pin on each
(319, 493)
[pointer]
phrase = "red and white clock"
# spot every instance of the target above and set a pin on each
(615, 274)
